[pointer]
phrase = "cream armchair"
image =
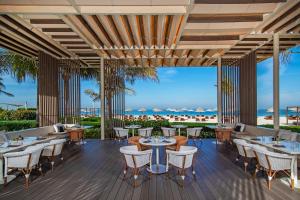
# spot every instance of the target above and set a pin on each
(145, 132)
(24, 161)
(135, 160)
(168, 132)
(273, 162)
(245, 151)
(53, 149)
(182, 159)
(121, 133)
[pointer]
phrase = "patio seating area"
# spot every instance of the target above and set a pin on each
(68, 40)
(86, 175)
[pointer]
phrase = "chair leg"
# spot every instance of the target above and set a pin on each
(245, 165)
(52, 163)
(292, 184)
(41, 170)
(27, 180)
(269, 179)
(5, 181)
(182, 175)
(255, 171)
(124, 172)
(135, 177)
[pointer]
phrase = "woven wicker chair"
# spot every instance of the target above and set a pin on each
(168, 132)
(145, 132)
(135, 160)
(180, 141)
(273, 162)
(23, 161)
(245, 151)
(182, 160)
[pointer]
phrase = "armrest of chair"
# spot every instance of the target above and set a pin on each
(15, 154)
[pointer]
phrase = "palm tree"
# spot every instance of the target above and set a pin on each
(2, 88)
(130, 76)
(18, 66)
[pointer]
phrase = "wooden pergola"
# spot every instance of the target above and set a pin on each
(153, 33)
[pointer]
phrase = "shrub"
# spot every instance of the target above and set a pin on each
(19, 114)
(17, 125)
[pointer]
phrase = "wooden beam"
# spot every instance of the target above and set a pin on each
(237, 1)
(209, 37)
(224, 18)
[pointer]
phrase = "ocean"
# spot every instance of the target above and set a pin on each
(260, 112)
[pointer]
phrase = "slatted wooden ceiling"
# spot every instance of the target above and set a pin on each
(149, 32)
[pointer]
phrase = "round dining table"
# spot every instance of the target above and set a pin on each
(133, 127)
(179, 126)
(157, 142)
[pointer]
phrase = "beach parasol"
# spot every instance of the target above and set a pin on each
(270, 110)
(156, 110)
(142, 110)
(128, 110)
(199, 109)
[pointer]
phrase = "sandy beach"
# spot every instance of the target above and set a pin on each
(206, 119)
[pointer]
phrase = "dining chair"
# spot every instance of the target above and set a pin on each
(287, 135)
(168, 132)
(194, 133)
(121, 133)
(273, 162)
(182, 160)
(145, 132)
(53, 149)
(245, 151)
(136, 160)
(180, 141)
(24, 161)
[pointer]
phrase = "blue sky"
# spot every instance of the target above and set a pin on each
(182, 87)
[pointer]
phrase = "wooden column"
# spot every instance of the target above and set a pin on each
(248, 89)
(276, 81)
(102, 98)
(219, 90)
(48, 101)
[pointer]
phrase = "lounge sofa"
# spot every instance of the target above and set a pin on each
(35, 132)
(255, 131)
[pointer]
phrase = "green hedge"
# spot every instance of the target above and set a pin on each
(19, 114)
(17, 125)
(291, 128)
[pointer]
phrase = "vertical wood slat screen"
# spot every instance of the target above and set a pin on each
(230, 91)
(58, 90)
(69, 91)
(114, 81)
(48, 102)
(239, 90)
(248, 85)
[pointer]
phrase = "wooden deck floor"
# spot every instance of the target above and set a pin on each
(95, 172)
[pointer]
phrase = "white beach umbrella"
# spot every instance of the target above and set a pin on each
(142, 110)
(199, 109)
(156, 110)
(270, 110)
(294, 109)
(128, 110)
(209, 110)
(171, 109)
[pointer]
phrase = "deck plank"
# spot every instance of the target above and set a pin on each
(96, 172)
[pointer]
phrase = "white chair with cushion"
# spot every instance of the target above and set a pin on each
(194, 133)
(145, 132)
(121, 133)
(136, 160)
(182, 159)
(168, 132)
(273, 162)
(245, 151)
(24, 161)
(287, 135)
(53, 149)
